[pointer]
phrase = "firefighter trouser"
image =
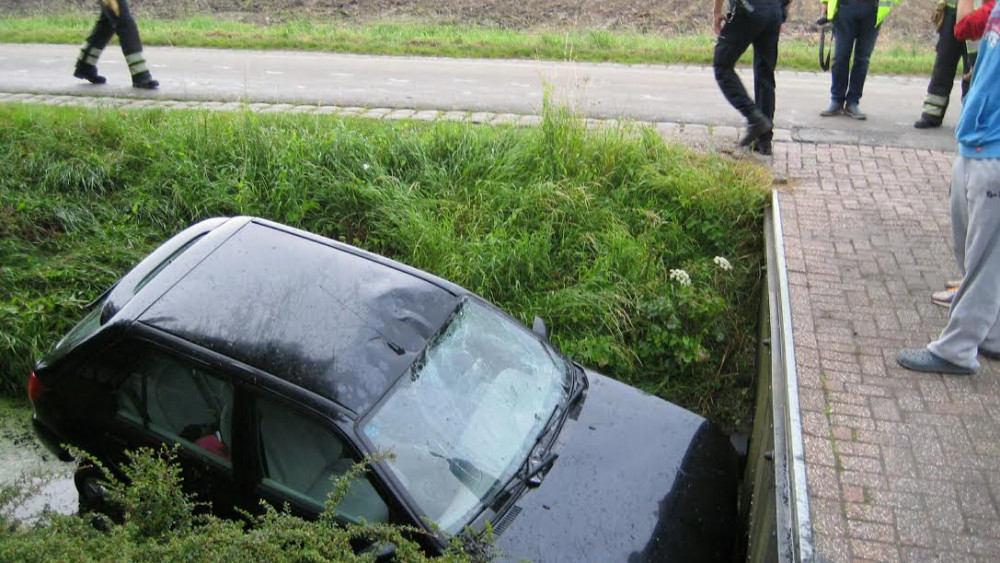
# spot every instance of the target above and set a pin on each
(115, 19)
(760, 29)
(949, 52)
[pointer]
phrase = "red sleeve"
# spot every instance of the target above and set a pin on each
(973, 25)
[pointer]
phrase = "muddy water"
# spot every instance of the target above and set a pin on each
(45, 481)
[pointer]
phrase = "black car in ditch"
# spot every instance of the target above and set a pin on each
(277, 359)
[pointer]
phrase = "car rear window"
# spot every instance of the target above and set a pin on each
(86, 327)
(160, 267)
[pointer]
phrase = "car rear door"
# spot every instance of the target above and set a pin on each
(171, 398)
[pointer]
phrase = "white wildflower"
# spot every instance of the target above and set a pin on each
(680, 276)
(365, 166)
(722, 263)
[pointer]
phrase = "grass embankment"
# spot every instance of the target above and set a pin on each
(891, 57)
(578, 226)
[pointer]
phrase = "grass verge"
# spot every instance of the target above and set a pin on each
(610, 235)
(798, 53)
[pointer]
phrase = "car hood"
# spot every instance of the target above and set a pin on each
(637, 479)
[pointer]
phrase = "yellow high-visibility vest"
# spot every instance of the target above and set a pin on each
(884, 7)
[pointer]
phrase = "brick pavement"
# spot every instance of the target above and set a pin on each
(900, 466)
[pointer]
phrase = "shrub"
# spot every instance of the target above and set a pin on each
(161, 523)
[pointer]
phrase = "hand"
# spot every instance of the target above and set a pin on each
(719, 20)
(937, 17)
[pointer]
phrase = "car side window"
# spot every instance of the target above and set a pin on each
(301, 458)
(181, 402)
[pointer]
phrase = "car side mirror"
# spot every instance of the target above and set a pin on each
(539, 328)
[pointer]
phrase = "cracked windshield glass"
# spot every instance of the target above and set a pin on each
(465, 416)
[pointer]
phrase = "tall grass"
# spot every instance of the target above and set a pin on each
(893, 56)
(581, 227)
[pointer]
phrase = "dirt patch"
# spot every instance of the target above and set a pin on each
(909, 20)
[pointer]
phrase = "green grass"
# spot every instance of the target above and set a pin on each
(892, 57)
(581, 227)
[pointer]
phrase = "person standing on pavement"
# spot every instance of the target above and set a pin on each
(856, 24)
(970, 27)
(746, 23)
(115, 18)
(948, 52)
(974, 318)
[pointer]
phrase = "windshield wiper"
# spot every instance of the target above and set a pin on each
(529, 475)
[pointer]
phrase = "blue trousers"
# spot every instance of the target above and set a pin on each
(855, 33)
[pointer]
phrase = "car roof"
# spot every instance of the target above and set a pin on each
(319, 314)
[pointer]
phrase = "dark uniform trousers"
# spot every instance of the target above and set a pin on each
(760, 29)
(949, 52)
(108, 24)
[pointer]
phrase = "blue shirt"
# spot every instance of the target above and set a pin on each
(978, 130)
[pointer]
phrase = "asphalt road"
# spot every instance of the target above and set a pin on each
(654, 93)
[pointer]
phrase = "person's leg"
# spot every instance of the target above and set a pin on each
(844, 35)
(734, 40)
(867, 34)
(947, 54)
(765, 58)
(972, 321)
(90, 52)
(128, 36)
(730, 46)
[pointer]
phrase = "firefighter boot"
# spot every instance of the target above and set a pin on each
(927, 122)
(88, 72)
(758, 125)
(145, 81)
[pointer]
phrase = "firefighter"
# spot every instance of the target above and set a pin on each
(115, 18)
(757, 23)
(948, 53)
(856, 24)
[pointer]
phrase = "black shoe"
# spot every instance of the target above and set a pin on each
(88, 72)
(926, 122)
(144, 80)
(758, 125)
(763, 148)
(854, 112)
(833, 109)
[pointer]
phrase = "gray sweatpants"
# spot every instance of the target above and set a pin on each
(974, 318)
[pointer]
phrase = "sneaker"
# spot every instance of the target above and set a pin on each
(989, 354)
(948, 284)
(944, 298)
(926, 362)
(88, 72)
(854, 112)
(833, 109)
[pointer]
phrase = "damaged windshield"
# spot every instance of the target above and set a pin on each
(464, 417)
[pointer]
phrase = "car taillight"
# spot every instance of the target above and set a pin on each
(36, 389)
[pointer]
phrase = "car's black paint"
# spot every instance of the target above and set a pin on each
(327, 328)
(637, 479)
(325, 319)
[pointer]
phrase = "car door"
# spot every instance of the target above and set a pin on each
(299, 456)
(170, 398)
